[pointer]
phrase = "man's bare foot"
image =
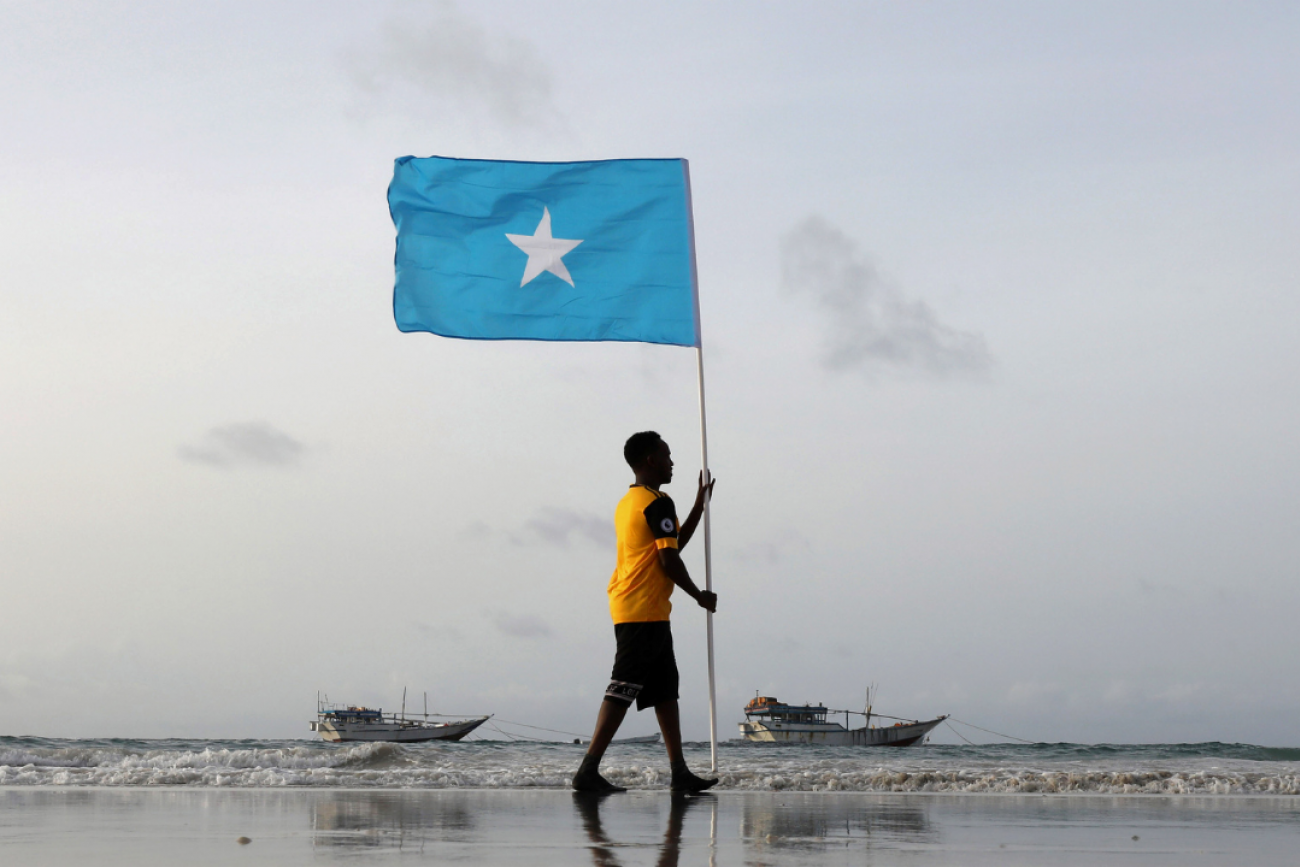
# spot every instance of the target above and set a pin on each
(686, 782)
(588, 779)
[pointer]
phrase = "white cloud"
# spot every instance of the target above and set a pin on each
(453, 59)
(521, 625)
(870, 323)
(555, 526)
(253, 444)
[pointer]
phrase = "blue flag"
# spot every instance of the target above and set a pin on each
(544, 251)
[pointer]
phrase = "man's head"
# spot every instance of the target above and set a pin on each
(649, 457)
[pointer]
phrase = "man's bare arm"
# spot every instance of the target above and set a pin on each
(703, 495)
(671, 560)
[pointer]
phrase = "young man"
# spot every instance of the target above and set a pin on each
(649, 566)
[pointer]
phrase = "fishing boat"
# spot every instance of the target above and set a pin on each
(639, 739)
(337, 723)
(770, 721)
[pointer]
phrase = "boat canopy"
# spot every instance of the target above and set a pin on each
(355, 712)
(765, 705)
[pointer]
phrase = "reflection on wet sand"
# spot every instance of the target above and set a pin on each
(621, 829)
(602, 847)
(795, 821)
(390, 820)
(64, 827)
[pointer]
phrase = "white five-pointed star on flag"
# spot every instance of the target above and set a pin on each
(544, 252)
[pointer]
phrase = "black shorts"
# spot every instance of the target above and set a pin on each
(645, 669)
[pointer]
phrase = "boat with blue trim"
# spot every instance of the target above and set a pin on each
(337, 723)
(768, 720)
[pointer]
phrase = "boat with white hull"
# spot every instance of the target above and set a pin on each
(768, 720)
(338, 723)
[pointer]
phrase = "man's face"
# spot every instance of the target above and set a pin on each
(660, 463)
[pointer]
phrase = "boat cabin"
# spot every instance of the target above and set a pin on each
(354, 714)
(777, 712)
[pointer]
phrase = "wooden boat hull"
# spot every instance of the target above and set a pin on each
(641, 739)
(395, 732)
(835, 735)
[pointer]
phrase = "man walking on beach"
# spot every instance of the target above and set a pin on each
(650, 540)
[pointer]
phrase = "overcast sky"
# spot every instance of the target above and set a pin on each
(1001, 331)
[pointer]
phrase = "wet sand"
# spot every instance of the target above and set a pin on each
(120, 826)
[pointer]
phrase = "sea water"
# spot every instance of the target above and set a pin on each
(1106, 769)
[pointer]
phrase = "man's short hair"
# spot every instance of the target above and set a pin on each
(640, 446)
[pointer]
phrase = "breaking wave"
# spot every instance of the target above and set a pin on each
(1160, 769)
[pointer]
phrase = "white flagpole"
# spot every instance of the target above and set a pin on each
(704, 466)
(708, 566)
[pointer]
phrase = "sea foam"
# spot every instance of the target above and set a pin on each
(1213, 769)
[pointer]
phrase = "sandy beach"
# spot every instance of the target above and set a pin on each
(80, 826)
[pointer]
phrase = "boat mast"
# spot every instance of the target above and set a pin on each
(403, 704)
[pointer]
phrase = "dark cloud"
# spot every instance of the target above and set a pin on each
(436, 632)
(476, 531)
(790, 545)
(453, 58)
(550, 525)
(253, 444)
(555, 526)
(521, 626)
(870, 324)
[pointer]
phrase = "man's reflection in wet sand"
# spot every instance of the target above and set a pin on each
(602, 847)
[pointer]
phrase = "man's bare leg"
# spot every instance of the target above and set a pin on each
(670, 724)
(608, 720)
(588, 778)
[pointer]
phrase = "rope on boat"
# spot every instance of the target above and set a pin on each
(905, 719)
(960, 735)
(514, 737)
(988, 731)
(541, 729)
(949, 721)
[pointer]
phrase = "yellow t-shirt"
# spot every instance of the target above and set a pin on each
(644, 521)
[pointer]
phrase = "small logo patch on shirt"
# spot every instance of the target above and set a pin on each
(667, 525)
